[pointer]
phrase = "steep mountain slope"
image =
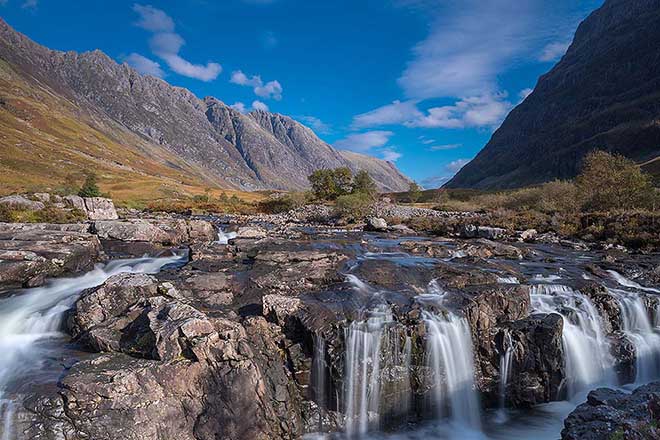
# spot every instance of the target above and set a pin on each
(603, 94)
(203, 142)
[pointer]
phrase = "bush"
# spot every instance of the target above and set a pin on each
(614, 182)
(90, 188)
(353, 206)
(414, 192)
(49, 214)
(364, 184)
(283, 202)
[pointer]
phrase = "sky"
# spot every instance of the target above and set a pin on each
(422, 83)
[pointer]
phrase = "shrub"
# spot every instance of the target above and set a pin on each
(614, 182)
(363, 183)
(353, 206)
(283, 202)
(90, 188)
(414, 192)
(328, 184)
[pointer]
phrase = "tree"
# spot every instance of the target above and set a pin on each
(90, 188)
(328, 184)
(364, 184)
(610, 181)
(414, 192)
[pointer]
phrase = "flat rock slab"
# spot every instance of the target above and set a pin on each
(159, 231)
(30, 253)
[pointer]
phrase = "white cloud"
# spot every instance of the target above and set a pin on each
(553, 51)
(395, 113)
(364, 141)
(314, 123)
(477, 111)
(239, 106)
(524, 93)
(166, 44)
(427, 141)
(152, 19)
(455, 165)
(390, 155)
(258, 105)
(271, 89)
(444, 147)
(144, 65)
(435, 181)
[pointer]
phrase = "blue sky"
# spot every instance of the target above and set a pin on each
(421, 82)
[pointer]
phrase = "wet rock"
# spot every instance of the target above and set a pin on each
(401, 229)
(376, 224)
(31, 253)
(432, 249)
(610, 414)
(474, 231)
(21, 202)
(537, 369)
(624, 354)
(483, 248)
(279, 308)
(607, 305)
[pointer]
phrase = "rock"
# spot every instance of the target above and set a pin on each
(31, 253)
(251, 232)
(279, 307)
(99, 208)
(473, 231)
(75, 202)
(21, 202)
(42, 197)
(161, 231)
(529, 234)
(537, 370)
(609, 414)
(401, 229)
(375, 224)
(483, 248)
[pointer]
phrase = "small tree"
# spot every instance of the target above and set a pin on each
(613, 182)
(364, 184)
(90, 188)
(414, 192)
(328, 184)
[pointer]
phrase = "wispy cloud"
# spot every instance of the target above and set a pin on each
(449, 170)
(524, 93)
(364, 141)
(455, 165)
(314, 123)
(390, 155)
(144, 65)
(271, 89)
(166, 44)
(553, 51)
(444, 147)
(395, 113)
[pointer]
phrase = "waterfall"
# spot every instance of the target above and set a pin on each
(505, 370)
(362, 371)
(636, 324)
(586, 348)
(629, 283)
(319, 377)
(450, 358)
(34, 316)
(224, 237)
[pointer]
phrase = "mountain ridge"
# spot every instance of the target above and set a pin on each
(216, 144)
(603, 94)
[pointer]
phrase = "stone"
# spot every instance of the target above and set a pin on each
(251, 232)
(99, 208)
(375, 224)
(529, 234)
(21, 202)
(160, 231)
(401, 229)
(75, 202)
(474, 231)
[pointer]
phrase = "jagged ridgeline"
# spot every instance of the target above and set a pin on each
(64, 111)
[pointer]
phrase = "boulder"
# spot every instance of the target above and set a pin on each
(21, 202)
(474, 231)
(99, 208)
(376, 224)
(251, 232)
(612, 414)
(159, 231)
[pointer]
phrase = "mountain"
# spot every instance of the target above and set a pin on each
(67, 111)
(603, 94)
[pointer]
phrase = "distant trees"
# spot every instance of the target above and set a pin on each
(330, 184)
(414, 192)
(90, 187)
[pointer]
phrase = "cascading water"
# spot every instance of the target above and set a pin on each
(32, 318)
(586, 348)
(505, 371)
(362, 371)
(224, 237)
(450, 358)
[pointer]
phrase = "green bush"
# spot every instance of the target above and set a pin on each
(364, 184)
(283, 202)
(328, 184)
(90, 187)
(414, 192)
(353, 206)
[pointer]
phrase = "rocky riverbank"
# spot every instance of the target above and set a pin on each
(280, 325)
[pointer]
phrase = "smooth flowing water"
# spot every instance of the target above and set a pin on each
(31, 324)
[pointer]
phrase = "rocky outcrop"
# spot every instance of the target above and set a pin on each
(601, 95)
(612, 414)
(96, 208)
(30, 253)
(158, 231)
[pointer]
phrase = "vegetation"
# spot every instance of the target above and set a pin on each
(50, 214)
(354, 206)
(414, 192)
(364, 184)
(278, 203)
(328, 184)
(89, 187)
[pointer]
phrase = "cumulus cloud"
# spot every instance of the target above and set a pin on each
(271, 89)
(166, 44)
(449, 170)
(477, 111)
(524, 93)
(455, 165)
(395, 113)
(258, 105)
(144, 65)
(239, 106)
(390, 155)
(314, 123)
(553, 51)
(364, 141)
(152, 19)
